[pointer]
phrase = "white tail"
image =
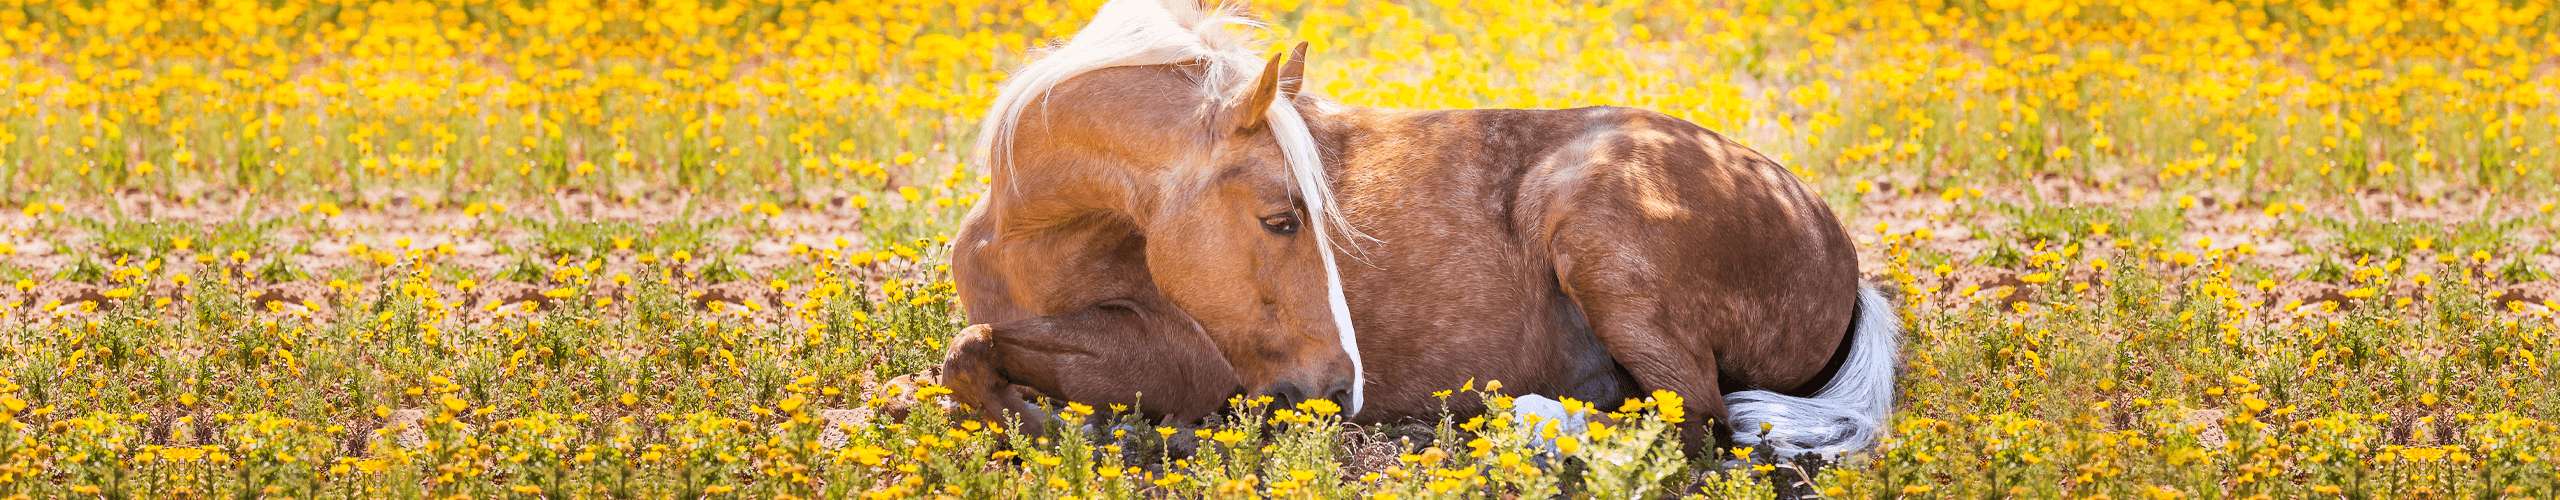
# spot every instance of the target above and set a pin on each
(1848, 413)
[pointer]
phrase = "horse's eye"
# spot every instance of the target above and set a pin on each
(1284, 223)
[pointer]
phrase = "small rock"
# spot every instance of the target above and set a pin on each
(408, 424)
(2209, 428)
(475, 248)
(407, 428)
(769, 248)
(33, 248)
(836, 421)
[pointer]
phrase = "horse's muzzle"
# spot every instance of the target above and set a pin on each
(1289, 394)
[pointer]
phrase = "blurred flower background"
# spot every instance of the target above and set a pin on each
(572, 248)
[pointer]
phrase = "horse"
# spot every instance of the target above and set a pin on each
(1173, 221)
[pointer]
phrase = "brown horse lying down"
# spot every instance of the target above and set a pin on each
(1163, 230)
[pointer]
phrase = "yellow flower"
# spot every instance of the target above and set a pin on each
(928, 392)
(1672, 407)
(183, 454)
(1320, 407)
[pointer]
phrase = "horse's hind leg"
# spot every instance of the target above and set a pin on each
(1117, 352)
(1650, 340)
(1701, 266)
(1646, 308)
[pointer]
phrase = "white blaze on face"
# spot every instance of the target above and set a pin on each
(1306, 169)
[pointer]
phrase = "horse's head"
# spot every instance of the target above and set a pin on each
(1140, 120)
(1243, 241)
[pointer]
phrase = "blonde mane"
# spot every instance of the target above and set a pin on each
(1156, 32)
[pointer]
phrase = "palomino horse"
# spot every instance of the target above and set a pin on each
(1169, 227)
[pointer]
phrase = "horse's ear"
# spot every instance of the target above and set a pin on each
(1293, 73)
(1280, 81)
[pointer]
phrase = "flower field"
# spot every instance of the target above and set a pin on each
(621, 248)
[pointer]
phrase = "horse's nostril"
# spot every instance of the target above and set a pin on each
(1285, 394)
(1341, 396)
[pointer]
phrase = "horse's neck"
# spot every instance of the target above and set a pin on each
(1047, 199)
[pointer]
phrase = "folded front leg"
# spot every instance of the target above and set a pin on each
(1117, 352)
